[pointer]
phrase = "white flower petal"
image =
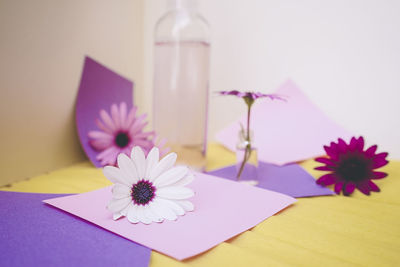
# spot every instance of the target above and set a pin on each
(175, 192)
(152, 159)
(125, 211)
(171, 176)
(132, 214)
(120, 191)
(115, 175)
(185, 204)
(116, 205)
(189, 177)
(163, 210)
(165, 164)
(116, 216)
(178, 210)
(152, 214)
(139, 159)
(141, 216)
(127, 166)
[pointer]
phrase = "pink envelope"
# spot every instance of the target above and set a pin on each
(223, 209)
(286, 132)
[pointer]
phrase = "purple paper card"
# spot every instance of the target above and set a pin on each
(99, 89)
(289, 179)
(33, 233)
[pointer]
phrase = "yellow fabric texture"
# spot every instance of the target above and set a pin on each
(327, 230)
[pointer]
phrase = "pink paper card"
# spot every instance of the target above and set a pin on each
(223, 209)
(286, 132)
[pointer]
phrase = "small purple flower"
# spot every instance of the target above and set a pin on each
(249, 98)
(251, 95)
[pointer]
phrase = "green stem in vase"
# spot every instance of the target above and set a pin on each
(249, 101)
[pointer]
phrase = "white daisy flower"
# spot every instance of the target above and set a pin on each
(148, 190)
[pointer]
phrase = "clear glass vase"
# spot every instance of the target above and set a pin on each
(181, 78)
(247, 161)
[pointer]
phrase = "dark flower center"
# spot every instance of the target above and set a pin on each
(142, 192)
(122, 139)
(353, 168)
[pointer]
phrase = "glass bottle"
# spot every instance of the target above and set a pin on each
(181, 77)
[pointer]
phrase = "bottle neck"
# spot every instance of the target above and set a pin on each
(182, 4)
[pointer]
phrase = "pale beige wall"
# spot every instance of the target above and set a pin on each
(42, 47)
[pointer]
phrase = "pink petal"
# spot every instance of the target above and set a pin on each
(131, 117)
(349, 188)
(137, 124)
(115, 115)
(122, 114)
(138, 128)
(144, 134)
(378, 175)
(100, 144)
(338, 187)
(364, 188)
(103, 127)
(104, 157)
(100, 135)
(373, 186)
(326, 179)
(107, 120)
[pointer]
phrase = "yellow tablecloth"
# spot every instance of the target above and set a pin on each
(328, 230)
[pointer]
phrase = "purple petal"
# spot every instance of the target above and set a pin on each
(338, 187)
(373, 186)
(326, 179)
(379, 163)
(324, 160)
(323, 168)
(353, 144)
(349, 188)
(371, 151)
(342, 145)
(378, 175)
(331, 152)
(360, 144)
(364, 188)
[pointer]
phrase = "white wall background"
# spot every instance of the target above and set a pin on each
(344, 54)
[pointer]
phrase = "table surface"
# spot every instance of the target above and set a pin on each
(329, 230)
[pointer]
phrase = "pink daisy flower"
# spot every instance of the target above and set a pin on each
(351, 167)
(119, 132)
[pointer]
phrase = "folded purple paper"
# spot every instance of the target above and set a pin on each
(35, 234)
(289, 179)
(100, 87)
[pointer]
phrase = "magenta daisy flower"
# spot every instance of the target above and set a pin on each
(119, 132)
(351, 167)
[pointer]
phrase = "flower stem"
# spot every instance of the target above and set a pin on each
(247, 152)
